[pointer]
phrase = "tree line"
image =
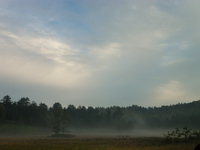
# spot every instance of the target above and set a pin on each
(60, 118)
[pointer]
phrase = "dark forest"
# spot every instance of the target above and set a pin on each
(59, 119)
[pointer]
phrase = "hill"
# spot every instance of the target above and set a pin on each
(181, 114)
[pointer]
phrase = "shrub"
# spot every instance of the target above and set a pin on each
(185, 134)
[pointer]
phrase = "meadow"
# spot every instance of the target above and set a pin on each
(91, 143)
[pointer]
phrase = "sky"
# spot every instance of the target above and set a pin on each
(100, 53)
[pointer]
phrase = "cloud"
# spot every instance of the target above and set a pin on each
(101, 53)
(40, 59)
(172, 93)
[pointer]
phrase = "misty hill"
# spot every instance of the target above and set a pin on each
(59, 119)
(181, 114)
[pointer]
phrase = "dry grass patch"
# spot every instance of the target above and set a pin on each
(91, 144)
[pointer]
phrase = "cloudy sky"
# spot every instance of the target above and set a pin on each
(100, 52)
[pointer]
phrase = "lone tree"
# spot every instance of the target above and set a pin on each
(60, 118)
(64, 120)
(57, 112)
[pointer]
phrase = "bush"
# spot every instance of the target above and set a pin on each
(185, 134)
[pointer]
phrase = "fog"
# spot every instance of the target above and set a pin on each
(137, 132)
(86, 133)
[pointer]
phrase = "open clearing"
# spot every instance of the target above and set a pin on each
(91, 143)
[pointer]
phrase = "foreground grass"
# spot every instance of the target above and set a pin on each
(91, 144)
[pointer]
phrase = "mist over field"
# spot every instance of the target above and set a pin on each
(26, 117)
(137, 132)
(99, 74)
(35, 132)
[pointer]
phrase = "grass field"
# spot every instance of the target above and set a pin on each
(78, 143)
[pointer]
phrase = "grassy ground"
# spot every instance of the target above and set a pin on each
(27, 143)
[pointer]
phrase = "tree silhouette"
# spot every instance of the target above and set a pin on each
(57, 114)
